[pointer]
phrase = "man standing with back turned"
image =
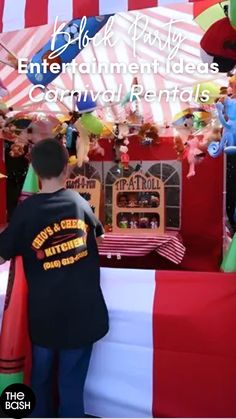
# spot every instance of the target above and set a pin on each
(55, 231)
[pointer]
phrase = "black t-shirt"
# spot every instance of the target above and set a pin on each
(56, 235)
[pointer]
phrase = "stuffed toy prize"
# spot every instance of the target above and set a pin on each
(228, 140)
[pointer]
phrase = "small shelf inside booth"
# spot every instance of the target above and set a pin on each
(138, 205)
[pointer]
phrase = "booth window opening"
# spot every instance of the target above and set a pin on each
(169, 172)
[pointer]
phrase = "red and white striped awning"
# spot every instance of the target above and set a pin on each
(27, 42)
(20, 14)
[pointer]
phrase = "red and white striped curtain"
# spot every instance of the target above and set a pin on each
(20, 14)
(170, 351)
(171, 347)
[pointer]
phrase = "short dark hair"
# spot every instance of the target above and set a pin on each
(49, 158)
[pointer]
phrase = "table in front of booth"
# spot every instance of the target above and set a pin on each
(168, 245)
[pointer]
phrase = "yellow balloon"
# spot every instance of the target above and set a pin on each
(72, 160)
(107, 130)
(206, 93)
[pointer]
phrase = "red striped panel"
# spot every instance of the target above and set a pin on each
(141, 4)
(85, 8)
(36, 13)
(194, 371)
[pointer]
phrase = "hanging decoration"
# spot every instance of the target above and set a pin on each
(85, 103)
(227, 117)
(179, 146)
(94, 146)
(148, 134)
(218, 19)
(82, 144)
(196, 151)
(192, 144)
(92, 124)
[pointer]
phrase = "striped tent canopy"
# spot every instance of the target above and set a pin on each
(20, 14)
(26, 42)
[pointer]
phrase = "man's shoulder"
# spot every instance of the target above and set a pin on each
(65, 193)
(71, 192)
(65, 196)
(73, 196)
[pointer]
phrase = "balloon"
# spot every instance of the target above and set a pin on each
(71, 31)
(72, 160)
(92, 124)
(107, 130)
(86, 103)
(228, 141)
(207, 89)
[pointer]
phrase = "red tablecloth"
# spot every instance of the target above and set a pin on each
(167, 245)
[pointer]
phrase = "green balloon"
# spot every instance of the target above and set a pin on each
(229, 261)
(92, 124)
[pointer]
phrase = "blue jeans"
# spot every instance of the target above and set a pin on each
(72, 371)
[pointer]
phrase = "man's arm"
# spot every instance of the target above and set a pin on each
(99, 239)
(99, 230)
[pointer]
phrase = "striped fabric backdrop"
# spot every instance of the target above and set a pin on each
(170, 351)
(27, 42)
(171, 347)
(20, 14)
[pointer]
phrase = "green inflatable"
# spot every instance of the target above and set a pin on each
(229, 261)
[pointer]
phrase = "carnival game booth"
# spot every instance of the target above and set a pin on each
(152, 179)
